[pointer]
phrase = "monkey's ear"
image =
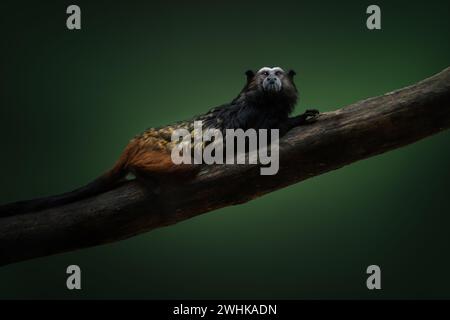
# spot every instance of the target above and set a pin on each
(250, 74)
(291, 73)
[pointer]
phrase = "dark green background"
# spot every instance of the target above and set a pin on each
(70, 101)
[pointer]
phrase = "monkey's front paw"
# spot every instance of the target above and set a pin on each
(311, 115)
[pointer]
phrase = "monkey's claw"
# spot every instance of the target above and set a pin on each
(311, 115)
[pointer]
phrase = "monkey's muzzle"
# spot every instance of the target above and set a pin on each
(272, 84)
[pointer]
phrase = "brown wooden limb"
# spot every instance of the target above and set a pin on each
(355, 132)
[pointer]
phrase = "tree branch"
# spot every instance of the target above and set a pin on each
(355, 132)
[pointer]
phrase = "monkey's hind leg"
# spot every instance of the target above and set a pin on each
(156, 171)
(147, 180)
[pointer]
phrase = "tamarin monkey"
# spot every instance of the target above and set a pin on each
(266, 101)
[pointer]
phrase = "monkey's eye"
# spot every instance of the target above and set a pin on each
(278, 73)
(266, 73)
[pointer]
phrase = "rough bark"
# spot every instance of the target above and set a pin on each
(349, 134)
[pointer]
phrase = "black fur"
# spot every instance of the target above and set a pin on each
(257, 109)
(101, 184)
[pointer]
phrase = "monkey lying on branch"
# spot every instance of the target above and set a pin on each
(266, 101)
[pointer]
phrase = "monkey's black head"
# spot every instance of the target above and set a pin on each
(271, 80)
(272, 86)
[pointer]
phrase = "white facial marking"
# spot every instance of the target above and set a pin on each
(271, 81)
(270, 70)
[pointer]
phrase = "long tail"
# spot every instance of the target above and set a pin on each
(103, 183)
